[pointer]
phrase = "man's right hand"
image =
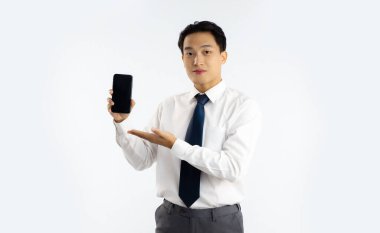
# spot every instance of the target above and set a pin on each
(118, 117)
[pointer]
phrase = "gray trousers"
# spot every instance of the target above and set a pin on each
(172, 218)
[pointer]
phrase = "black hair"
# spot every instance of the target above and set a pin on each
(204, 26)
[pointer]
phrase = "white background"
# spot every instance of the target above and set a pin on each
(312, 65)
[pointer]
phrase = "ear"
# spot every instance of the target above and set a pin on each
(223, 56)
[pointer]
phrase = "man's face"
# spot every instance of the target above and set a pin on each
(203, 60)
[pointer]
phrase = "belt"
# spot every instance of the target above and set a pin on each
(209, 212)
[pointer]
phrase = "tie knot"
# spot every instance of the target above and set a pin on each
(202, 99)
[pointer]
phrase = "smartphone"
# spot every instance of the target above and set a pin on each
(122, 93)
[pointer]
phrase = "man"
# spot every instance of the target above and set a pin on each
(202, 141)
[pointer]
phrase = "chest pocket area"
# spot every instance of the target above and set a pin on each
(214, 138)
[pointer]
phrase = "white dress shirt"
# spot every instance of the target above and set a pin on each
(231, 129)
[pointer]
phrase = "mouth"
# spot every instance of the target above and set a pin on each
(199, 71)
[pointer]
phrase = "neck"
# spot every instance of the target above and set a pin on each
(207, 86)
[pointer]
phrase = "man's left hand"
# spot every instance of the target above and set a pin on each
(158, 136)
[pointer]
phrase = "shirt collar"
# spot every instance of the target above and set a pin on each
(213, 93)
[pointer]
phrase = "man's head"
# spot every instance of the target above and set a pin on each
(204, 26)
(203, 46)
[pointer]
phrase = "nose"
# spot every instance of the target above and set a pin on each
(198, 60)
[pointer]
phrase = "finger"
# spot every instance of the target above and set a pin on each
(147, 136)
(158, 132)
(109, 108)
(153, 138)
(133, 103)
(109, 105)
(110, 91)
(139, 133)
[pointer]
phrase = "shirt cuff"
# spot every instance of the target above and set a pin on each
(179, 148)
(121, 128)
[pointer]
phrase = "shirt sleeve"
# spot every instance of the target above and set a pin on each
(140, 153)
(232, 162)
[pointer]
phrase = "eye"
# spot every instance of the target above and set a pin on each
(207, 52)
(189, 53)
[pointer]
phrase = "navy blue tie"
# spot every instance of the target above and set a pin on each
(190, 176)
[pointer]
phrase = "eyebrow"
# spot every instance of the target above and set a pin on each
(203, 46)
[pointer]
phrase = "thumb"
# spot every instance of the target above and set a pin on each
(158, 132)
(133, 103)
